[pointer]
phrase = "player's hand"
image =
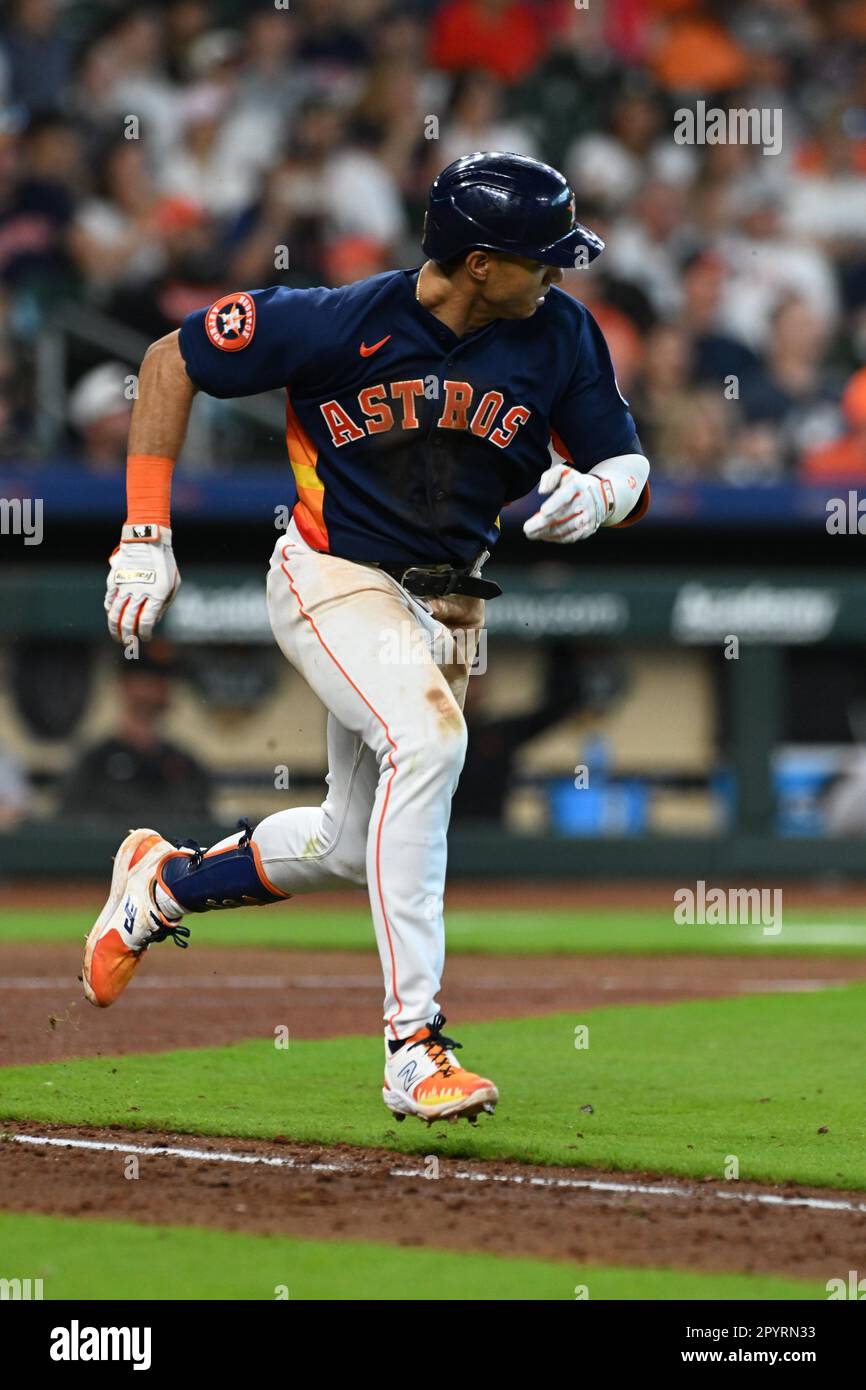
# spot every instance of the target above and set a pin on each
(576, 506)
(142, 582)
(458, 611)
(463, 617)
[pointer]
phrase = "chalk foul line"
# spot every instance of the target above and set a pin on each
(628, 1189)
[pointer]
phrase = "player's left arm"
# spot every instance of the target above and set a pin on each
(605, 479)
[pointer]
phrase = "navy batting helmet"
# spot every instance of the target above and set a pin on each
(506, 202)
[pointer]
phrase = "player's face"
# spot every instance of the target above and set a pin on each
(516, 286)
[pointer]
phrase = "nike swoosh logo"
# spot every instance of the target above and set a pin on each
(368, 351)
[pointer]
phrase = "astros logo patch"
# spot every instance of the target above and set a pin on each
(231, 322)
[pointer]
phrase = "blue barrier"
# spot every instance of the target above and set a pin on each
(252, 493)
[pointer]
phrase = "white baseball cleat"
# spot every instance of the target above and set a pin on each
(130, 920)
(424, 1078)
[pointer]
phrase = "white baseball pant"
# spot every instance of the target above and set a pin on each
(396, 745)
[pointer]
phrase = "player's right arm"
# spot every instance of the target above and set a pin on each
(243, 344)
(143, 577)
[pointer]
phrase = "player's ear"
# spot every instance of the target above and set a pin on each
(478, 265)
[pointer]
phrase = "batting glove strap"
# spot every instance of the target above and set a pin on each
(146, 533)
(623, 479)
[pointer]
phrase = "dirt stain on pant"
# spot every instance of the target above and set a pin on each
(447, 710)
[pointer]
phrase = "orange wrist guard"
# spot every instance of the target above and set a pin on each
(148, 488)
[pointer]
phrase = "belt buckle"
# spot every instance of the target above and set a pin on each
(402, 580)
(428, 578)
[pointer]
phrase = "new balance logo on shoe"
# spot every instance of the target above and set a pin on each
(407, 1073)
(130, 912)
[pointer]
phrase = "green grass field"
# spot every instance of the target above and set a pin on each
(493, 931)
(175, 1262)
(673, 1089)
(774, 1080)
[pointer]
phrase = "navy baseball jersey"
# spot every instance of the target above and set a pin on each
(406, 440)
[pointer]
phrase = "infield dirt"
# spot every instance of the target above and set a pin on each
(212, 996)
(689, 1228)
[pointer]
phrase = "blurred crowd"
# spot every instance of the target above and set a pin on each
(154, 157)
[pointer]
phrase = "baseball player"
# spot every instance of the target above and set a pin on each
(418, 403)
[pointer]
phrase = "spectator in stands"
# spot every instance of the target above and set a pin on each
(99, 410)
(621, 330)
(90, 98)
(845, 457)
(292, 209)
(37, 53)
(694, 440)
(659, 399)
(184, 22)
(694, 53)
(389, 118)
(826, 199)
(14, 790)
(116, 236)
(193, 276)
(611, 166)
(255, 128)
(475, 121)
(53, 152)
(136, 772)
(570, 91)
(271, 80)
(503, 37)
(791, 391)
(361, 195)
(205, 166)
(766, 266)
(13, 418)
(130, 62)
(718, 357)
(333, 42)
(354, 258)
(325, 189)
(34, 215)
(646, 245)
(627, 347)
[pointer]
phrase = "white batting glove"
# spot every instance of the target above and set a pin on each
(142, 581)
(577, 504)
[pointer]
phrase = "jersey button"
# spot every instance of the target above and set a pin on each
(439, 496)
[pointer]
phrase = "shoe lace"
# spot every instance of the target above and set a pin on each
(437, 1046)
(175, 930)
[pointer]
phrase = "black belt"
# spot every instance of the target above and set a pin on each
(436, 583)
